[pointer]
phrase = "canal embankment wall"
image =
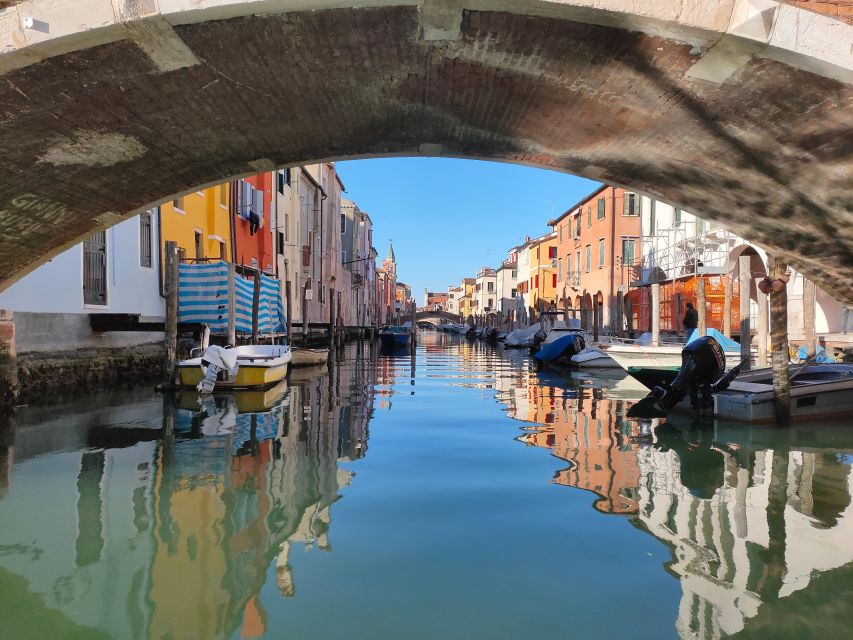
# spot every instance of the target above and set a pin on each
(54, 352)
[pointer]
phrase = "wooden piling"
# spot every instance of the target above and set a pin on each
(701, 308)
(413, 310)
(762, 329)
(232, 305)
(779, 335)
(256, 305)
(332, 319)
(727, 308)
(655, 314)
(305, 314)
(620, 311)
(809, 294)
(170, 289)
(288, 297)
(340, 323)
(744, 282)
(596, 313)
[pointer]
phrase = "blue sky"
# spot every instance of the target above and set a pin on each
(449, 217)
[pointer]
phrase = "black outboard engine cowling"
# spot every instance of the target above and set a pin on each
(703, 363)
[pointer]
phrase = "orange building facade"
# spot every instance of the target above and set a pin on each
(598, 240)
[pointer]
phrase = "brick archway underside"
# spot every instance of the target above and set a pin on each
(92, 135)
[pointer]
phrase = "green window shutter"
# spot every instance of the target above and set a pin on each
(601, 208)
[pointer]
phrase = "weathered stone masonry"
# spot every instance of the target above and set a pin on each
(744, 118)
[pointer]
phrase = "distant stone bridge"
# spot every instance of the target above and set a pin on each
(737, 110)
(437, 317)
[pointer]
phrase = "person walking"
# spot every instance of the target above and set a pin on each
(691, 319)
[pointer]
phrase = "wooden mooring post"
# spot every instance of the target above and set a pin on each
(809, 295)
(762, 329)
(304, 314)
(170, 290)
(744, 281)
(596, 319)
(232, 305)
(412, 311)
(727, 308)
(655, 316)
(256, 305)
(779, 335)
(332, 320)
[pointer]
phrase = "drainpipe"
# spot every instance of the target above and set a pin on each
(232, 200)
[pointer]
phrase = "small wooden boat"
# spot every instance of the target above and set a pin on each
(308, 357)
(254, 366)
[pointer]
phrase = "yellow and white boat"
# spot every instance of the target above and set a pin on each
(245, 367)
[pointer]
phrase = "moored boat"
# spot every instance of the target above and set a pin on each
(559, 341)
(303, 357)
(244, 367)
(592, 357)
(396, 335)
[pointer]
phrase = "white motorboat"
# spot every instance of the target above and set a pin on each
(640, 354)
(593, 357)
(818, 391)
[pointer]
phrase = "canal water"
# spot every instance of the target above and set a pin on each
(452, 492)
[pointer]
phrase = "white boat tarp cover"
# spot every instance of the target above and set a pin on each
(203, 298)
(522, 337)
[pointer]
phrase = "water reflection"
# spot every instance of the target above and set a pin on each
(128, 515)
(751, 514)
(177, 512)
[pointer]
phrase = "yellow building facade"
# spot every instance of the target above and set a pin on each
(200, 223)
(543, 271)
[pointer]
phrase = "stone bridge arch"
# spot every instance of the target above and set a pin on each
(738, 110)
(437, 317)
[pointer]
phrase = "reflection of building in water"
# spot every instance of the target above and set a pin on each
(747, 524)
(591, 433)
(745, 527)
(175, 537)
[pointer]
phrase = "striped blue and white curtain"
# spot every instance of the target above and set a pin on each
(203, 298)
(203, 295)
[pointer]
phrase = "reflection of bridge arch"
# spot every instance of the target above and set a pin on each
(659, 81)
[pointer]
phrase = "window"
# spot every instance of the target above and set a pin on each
(560, 267)
(145, 239)
(491, 302)
(490, 287)
(588, 257)
(178, 203)
(578, 224)
(589, 215)
(343, 257)
(343, 223)
(676, 216)
(514, 292)
(552, 252)
(578, 260)
(700, 226)
(632, 205)
(95, 269)
(199, 244)
(601, 208)
(223, 195)
(283, 180)
(222, 250)
(280, 237)
(627, 251)
(554, 280)
(601, 252)
(537, 281)
(515, 273)
(568, 264)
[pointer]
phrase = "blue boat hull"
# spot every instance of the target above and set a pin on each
(550, 351)
(394, 339)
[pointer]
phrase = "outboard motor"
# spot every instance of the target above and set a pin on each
(703, 363)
